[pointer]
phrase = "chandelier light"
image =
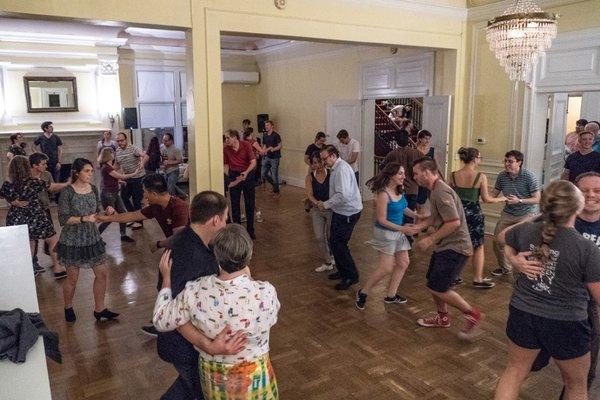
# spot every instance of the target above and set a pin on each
(519, 36)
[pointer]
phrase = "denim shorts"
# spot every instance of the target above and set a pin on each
(389, 242)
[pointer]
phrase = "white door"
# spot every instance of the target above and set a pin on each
(590, 106)
(345, 114)
(555, 145)
(436, 119)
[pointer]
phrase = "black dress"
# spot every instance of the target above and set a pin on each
(34, 214)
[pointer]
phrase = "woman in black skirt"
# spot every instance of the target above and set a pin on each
(80, 245)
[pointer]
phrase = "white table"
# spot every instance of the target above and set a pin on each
(17, 290)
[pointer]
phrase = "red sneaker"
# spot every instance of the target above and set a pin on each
(435, 321)
(473, 319)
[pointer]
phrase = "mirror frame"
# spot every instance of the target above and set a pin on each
(72, 79)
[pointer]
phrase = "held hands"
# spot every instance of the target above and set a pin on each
(512, 199)
(530, 268)
(109, 211)
(410, 229)
(91, 218)
(235, 182)
(320, 205)
(227, 346)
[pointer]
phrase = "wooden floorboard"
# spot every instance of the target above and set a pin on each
(322, 347)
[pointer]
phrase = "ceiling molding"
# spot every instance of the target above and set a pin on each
(420, 6)
(491, 10)
(46, 38)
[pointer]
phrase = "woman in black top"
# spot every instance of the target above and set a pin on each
(17, 146)
(317, 189)
(153, 153)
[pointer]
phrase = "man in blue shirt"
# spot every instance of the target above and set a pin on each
(346, 204)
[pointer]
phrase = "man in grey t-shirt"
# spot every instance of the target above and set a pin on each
(172, 157)
(522, 192)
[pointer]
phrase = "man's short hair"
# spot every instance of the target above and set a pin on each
(269, 122)
(342, 134)
(206, 205)
(36, 158)
(402, 138)
(45, 125)
(125, 135)
(320, 135)
(581, 122)
(232, 133)
(331, 149)
(155, 183)
(169, 134)
(426, 163)
(516, 154)
(589, 174)
(246, 121)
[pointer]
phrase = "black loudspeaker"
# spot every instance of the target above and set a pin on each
(260, 122)
(130, 120)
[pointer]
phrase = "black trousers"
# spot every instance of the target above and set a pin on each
(340, 233)
(186, 386)
(235, 193)
(132, 194)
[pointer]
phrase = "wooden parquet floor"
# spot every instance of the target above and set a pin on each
(322, 347)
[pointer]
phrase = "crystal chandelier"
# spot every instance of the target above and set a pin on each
(519, 36)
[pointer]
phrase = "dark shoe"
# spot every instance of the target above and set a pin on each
(361, 300)
(46, 249)
(127, 239)
(396, 299)
(500, 271)
(38, 268)
(70, 315)
(149, 330)
(345, 284)
(457, 281)
(335, 276)
(105, 314)
(483, 285)
(60, 275)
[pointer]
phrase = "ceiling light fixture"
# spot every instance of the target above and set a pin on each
(519, 36)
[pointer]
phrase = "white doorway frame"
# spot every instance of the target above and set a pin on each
(570, 66)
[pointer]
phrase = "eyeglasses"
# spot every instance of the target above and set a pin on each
(120, 140)
(510, 161)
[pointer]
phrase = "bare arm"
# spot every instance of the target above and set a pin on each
(307, 160)
(353, 157)
(219, 345)
(485, 192)
(133, 216)
(57, 187)
(309, 190)
(594, 289)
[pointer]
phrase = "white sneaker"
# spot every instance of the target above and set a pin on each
(259, 217)
(324, 267)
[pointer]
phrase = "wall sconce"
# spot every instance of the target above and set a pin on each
(112, 118)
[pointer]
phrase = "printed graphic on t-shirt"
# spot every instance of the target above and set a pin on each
(592, 237)
(543, 283)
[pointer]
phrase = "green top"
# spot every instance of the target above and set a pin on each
(467, 194)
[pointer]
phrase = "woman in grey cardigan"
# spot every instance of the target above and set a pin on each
(80, 244)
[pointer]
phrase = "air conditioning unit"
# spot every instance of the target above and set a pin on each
(247, 78)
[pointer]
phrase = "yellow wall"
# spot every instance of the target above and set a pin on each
(312, 19)
(239, 103)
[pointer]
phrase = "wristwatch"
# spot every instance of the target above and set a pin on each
(81, 221)
(520, 200)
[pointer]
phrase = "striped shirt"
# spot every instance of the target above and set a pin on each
(523, 186)
(129, 159)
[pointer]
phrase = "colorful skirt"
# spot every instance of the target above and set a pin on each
(475, 222)
(244, 381)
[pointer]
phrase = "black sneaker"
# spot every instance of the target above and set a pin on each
(35, 273)
(500, 271)
(361, 300)
(150, 330)
(457, 281)
(127, 239)
(60, 275)
(483, 285)
(396, 299)
(38, 268)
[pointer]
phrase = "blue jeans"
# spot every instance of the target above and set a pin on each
(271, 165)
(172, 179)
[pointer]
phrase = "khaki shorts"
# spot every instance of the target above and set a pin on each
(389, 242)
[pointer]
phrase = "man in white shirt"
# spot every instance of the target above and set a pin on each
(346, 204)
(349, 150)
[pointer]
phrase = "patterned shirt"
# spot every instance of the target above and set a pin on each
(524, 185)
(210, 303)
(129, 159)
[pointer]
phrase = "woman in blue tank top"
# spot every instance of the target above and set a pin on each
(389, 233)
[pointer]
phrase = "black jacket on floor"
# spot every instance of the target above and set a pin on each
(18, 333)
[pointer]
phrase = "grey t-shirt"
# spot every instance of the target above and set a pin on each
(171, 154)
(561, 292)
